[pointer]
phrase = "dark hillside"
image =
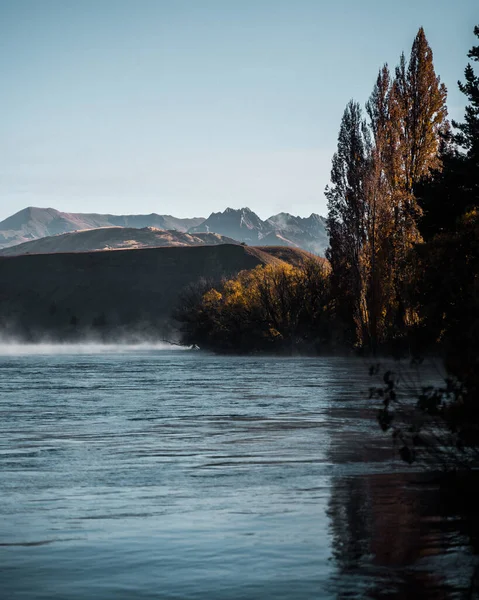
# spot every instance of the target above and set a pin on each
(108, 293)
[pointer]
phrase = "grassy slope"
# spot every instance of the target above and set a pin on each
(113, 238)
(293, 256)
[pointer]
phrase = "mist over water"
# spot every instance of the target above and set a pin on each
(12, 347)
(148, 473)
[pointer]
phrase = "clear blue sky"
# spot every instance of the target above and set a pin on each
(189, 106)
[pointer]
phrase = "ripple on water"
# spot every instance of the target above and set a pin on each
(146, 473)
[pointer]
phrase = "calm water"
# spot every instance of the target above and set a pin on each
(172, 474)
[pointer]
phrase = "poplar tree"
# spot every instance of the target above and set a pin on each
(379, 208)
(347, 218)
(418, 114)
(418, 119)
(372, 211)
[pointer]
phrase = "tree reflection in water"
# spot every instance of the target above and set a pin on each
(402, 536)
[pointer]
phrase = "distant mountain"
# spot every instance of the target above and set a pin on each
(313, 224)
(244, 225)
(114, 238)
(32, 223)
(308, 233)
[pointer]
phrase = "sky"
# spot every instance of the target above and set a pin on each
(186, 107)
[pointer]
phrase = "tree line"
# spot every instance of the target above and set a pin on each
(373, 211)
(403, 261)
(404, 247)
(275, 308)
(402, 228)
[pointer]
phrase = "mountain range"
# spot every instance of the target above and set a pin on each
(240, 225)
(283, 229)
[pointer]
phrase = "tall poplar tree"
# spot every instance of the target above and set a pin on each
(347, 218)
(418, 118)
(418, 114)
(372, 211)
(379, 208)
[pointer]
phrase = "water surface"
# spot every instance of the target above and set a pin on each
(151, 473)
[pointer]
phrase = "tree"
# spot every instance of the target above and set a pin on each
(372, 211)
(454, 190)
(419, 113)
(468, 132)
(467, 135)
(379, 208)
(444, 422)
(346, 220)
(450, 259)
(270, 308)
(441, 427)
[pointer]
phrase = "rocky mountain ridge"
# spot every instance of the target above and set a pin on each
(283, 229)
(241, 225)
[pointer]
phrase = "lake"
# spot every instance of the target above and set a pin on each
(146, 472)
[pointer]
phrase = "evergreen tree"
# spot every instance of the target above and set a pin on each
(468, 134)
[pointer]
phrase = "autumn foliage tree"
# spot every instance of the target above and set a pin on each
(372, 211)
(449, 261)
(443, 422)
(270, 308)
(378, 255)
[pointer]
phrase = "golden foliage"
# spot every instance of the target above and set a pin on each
(269, 307)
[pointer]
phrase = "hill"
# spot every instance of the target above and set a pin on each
(109, 294)
(114, 238)
(33, 223)
(292, 256)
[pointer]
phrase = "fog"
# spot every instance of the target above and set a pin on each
(12, 347)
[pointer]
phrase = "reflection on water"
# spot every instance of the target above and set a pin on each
(394, 537)
(159, 474)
